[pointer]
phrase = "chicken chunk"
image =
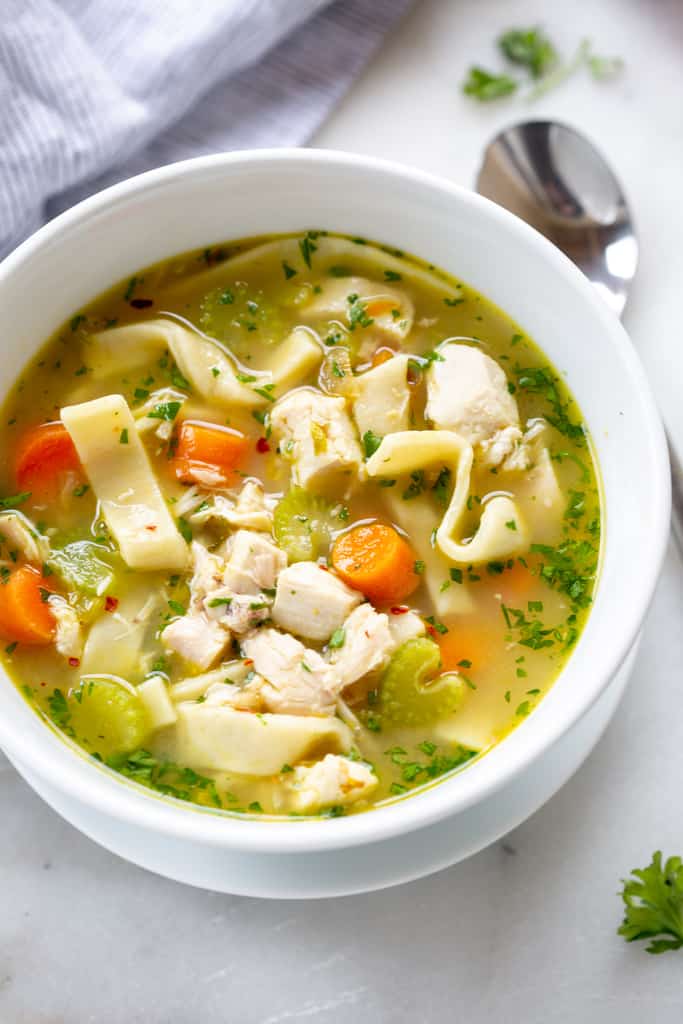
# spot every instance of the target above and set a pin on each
(468, 393)
(298, 680)
(69, 637)
(511, 449)
(312, 601)
(250, 510)
(19, 534)
(196, 638)
(207, 575)
(316, 434)
(367, 644)
(405, 626)
(238, 612)
(242, 698)
(332, 782)
(254, 563)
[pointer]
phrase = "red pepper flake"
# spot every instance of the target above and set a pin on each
(111, 604)
(141, 303)
(74, 662)
(432, 632)
(248, 661)
(262, 445)
(43, 684)
(150, 528)
(325, 568)
(399, 609)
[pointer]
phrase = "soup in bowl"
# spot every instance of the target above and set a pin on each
(293, 526)
(301, 525)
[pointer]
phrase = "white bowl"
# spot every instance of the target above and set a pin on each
(212, 199)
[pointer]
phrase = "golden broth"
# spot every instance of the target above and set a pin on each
(522, 615)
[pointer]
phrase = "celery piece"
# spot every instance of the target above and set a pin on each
(412, 693)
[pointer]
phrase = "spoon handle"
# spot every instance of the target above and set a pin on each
(676, 496)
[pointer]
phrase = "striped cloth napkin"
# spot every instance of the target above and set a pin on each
(93, 91)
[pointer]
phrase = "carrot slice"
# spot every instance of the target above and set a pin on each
(208, 454)
(376, 560)
(382, 355)
(467, 646)
(25, 615)
(45, 455)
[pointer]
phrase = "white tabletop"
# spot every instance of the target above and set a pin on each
(525, 931)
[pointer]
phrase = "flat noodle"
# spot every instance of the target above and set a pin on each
(410, 450)
(212, 372)
(328, 251)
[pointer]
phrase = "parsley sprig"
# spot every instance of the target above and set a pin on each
(653, 901)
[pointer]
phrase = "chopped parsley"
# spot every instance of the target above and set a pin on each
(185, 529)
(123, 436)
(416, 485)
(179, 381)
(538, 380)
(165, 411)
(166, 777)
(337, 639)
(358, 314)
(371, 443)
(307, 247)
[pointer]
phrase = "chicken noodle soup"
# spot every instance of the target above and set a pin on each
(293, 526)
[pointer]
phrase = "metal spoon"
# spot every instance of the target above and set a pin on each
(555, 179)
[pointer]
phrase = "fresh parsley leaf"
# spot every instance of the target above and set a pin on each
(123, 436)
(484, 85)
(653, 901)
(529, 48)
(288, 271)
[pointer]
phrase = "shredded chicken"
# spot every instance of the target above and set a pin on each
(69, 638)
(333, 781)
(298, 680)
(20, 535)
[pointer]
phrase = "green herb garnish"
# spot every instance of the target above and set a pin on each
(653, 900)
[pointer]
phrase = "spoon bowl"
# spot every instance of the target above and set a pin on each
(556, 180)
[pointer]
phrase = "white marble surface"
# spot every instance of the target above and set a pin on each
(524, 930)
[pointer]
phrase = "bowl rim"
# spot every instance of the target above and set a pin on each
(92, 784)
